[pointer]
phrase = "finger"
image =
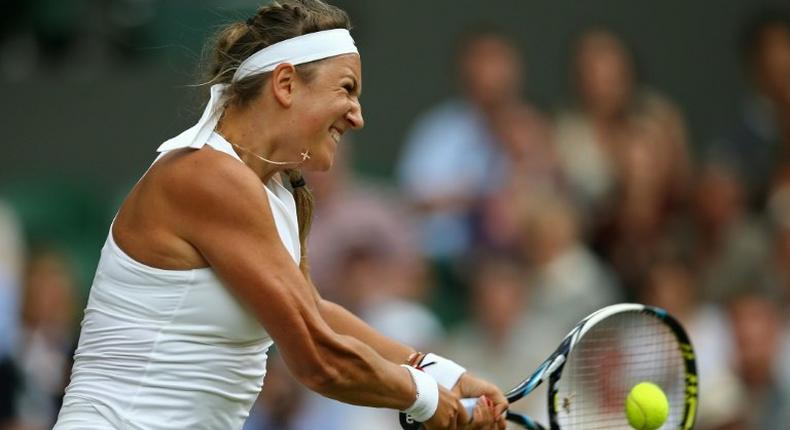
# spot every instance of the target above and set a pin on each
(488, 418)
(462, 419)
(499, 418)
(500, 409)
(473, 423)
(496, 395)
(478, 413)
(483, 411)
(499, 415)
(483, 415)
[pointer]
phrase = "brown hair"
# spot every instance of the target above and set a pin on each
(274, 23)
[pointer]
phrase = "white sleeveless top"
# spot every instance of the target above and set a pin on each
(169, 349)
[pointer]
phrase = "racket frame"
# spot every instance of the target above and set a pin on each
(551, 369)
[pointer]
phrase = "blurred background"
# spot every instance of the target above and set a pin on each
(523, 163)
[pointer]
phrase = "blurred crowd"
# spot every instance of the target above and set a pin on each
(506, 225)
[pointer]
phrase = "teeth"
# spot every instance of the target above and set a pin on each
(335, 135)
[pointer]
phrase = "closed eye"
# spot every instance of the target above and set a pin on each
(351, 85)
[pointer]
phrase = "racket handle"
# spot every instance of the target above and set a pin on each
(469, 404)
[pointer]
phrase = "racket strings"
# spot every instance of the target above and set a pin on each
(612, 357)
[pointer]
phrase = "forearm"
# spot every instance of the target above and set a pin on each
(362, 377)
(345, 323)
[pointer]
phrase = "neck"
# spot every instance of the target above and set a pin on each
(255, 145)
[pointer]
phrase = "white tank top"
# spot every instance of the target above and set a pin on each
(169, 349)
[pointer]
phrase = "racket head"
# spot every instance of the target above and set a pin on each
(611, 351)
(673, 370)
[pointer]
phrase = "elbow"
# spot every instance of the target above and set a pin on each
(335, 368)
(320, 367)
(324, 361)
(319, 376)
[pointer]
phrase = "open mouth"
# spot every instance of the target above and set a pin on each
(335, 134)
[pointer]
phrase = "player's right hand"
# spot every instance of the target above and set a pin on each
(484, 416)
(450, 414)
(471, 386)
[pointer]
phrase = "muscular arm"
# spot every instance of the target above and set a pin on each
(468, 386)
(224, 213)
(344, 322)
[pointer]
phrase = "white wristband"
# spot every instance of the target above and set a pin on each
(427, 396)
(445, 372)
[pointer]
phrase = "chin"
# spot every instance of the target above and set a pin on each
(319, 164)
(324, 167)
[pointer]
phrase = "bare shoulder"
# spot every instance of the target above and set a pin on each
(183, 197)
(207, 189)
(205, 176)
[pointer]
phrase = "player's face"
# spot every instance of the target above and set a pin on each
(329, 108)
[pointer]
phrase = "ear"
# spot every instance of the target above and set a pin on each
(282, 81)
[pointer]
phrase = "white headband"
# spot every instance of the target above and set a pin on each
(297, 50)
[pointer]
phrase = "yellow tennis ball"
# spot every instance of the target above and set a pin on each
(646, 406)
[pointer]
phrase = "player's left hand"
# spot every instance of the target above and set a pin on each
(469, 386)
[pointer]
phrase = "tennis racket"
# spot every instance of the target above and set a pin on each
(593, 370)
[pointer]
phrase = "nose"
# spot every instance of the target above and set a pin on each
(354, 115)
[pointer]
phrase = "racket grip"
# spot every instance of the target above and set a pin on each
(469, 404)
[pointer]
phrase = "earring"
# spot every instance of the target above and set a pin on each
(305, 155)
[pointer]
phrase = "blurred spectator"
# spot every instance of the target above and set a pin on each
(587, 133)
(526, 141)
(568, 279)
(759, 145)
(10, 385)
(11, 252)
(452, 157)
(777, 270)
(652, 170)
(502, 341)
(758, 330)
(671, 284)
(779, 263)
(48, 336)
(531, 167)
(371, 288)
(726, 242)
(350, 212)
(591, 134)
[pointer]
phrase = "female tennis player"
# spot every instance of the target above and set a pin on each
(200, 273)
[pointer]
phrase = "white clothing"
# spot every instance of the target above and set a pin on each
(169, 349)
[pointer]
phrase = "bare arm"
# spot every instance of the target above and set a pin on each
(344, 322)
(226, 216)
